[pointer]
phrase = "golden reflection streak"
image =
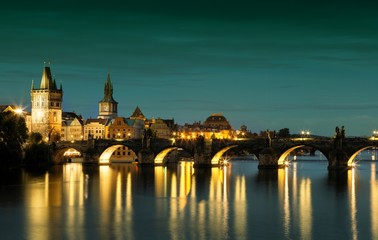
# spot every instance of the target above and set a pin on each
(160, 174)
(284, 194)
(118, 205)
(305, 209)
(373, 202)
(240, 207)
(173, 221)
(129, 208)
(38, 214)
(217, 191)
(73, 195)
(118, 193)
(352, 198)
(105, 194)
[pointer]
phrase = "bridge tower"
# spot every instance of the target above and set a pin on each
(46, 110)
(107, 107)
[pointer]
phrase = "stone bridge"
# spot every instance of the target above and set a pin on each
(271, 153)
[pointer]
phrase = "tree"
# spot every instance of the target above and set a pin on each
(283, 133)
(13, 134)
(35, 138)
(37, 152)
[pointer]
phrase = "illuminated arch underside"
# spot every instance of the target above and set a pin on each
(159, 159)
(351, 159)
(105, 156)
(215, 160)
(283, 156)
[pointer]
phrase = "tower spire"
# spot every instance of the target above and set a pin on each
(46, 80)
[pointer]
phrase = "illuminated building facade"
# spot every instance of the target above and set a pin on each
(216, 126)
(46, 109)
(107, 107)
(95, 128)
(72, 127)
(119, 129)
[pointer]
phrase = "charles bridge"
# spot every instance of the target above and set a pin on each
(340, 151)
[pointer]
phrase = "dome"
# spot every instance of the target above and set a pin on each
(217, 121)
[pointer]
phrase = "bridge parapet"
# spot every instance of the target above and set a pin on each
(339, 152)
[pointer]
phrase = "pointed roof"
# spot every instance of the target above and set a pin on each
(137, 114)
(46, 81)
(108, 91)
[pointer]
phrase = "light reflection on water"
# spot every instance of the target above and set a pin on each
(124, 201)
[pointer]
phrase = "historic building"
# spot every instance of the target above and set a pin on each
(119, 129)
(160, 128)
(138, 121)
(46, 109)
(72, 127)
(95, 128)
(107, 107)
(215, 126)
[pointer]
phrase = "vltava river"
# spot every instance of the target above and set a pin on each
(303, 201)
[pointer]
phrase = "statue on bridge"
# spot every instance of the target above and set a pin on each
(268, 139)
(339, 136)
(147, 136)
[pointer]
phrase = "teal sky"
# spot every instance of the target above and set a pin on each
(297, 64)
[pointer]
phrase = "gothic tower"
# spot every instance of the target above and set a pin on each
(46, 110)
(107, 107)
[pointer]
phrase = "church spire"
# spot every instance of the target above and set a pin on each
(108, 91)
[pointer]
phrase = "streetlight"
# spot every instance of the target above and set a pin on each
(374, 135)
(305, 134)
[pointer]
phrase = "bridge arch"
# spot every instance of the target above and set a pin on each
(161, 159)
(352, 158)
(65, 154)
(217, 157)
(105, 157)
(285, 154)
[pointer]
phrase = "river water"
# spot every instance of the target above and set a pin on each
(302, 201)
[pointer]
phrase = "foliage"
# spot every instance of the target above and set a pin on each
(283, 133)
(13, 134)
(37, 153)
(35, 138)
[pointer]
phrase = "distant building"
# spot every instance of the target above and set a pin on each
(138, 121)
(6, 108)
(119, 129)
(107, 107)
(160, 128)
(46, 109)
(215, 126)
(72, 127)
(95, 128)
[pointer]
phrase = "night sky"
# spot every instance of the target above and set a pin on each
(304, 65)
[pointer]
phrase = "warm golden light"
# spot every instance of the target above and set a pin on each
(18, 111)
